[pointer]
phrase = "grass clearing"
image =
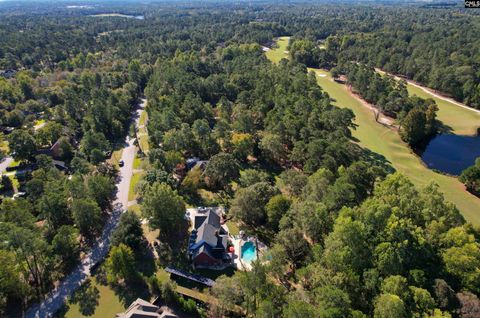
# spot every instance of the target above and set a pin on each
(108, 304)
(116, 157)
(4, 146)
(387, 142)
(136, 177)
(150, 235)
(15, 163)
(39, 123)
(143, 142)
(143, 118)
(460, 120)
(137, 162)
(142, 133)
(277, 54)
(233, 227)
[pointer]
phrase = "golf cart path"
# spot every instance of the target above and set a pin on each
(430, 91)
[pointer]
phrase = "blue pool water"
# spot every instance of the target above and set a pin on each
(248, 252)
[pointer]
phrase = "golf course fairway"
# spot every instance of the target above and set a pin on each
(387, 142)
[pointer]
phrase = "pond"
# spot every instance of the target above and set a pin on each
(450, 153)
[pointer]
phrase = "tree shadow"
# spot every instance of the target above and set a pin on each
(87, 297)
(130, 291)
(62, 312)
(443, 128)
(376, 159)
(146, 261)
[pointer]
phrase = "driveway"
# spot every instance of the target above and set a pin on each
(5, 163)
(58, 296)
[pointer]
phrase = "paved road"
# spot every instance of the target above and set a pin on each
(57, 297)
(5, 163)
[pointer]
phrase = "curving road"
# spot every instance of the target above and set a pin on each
(57, 297)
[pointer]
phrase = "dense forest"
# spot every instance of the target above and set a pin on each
(346, 235)
(438, 48)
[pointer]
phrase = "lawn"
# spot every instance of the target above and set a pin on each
(143, 118)
(108, 304)
(233, 227)
(133, 182)
(4, 144)
(387, 142)
(142, 133)
(150, 235)
(116, 157)
(462, 121)
(137, 162)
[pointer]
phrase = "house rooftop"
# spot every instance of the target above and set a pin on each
(141, 309)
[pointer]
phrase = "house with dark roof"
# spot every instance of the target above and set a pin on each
(208, 240)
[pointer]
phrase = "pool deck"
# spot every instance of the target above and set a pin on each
(237, 259)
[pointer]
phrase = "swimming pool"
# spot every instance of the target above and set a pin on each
(248, 252)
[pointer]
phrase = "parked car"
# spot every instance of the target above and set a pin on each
(121, 163)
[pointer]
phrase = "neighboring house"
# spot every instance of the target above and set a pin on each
(55, 151)
(143, 309)
(195, 162)
(208, 240)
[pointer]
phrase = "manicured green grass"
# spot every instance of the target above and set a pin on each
(133, 182)
(275, 55)
(387, 142)
(143, 118)
(137, 162)
(143, 133)
(462, 121)
(143, 142)
(108, 304)
(233, 227)
(456, 119)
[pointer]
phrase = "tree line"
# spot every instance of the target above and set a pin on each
(415, 115)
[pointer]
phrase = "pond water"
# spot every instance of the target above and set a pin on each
(248, 252)
(451, 153)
